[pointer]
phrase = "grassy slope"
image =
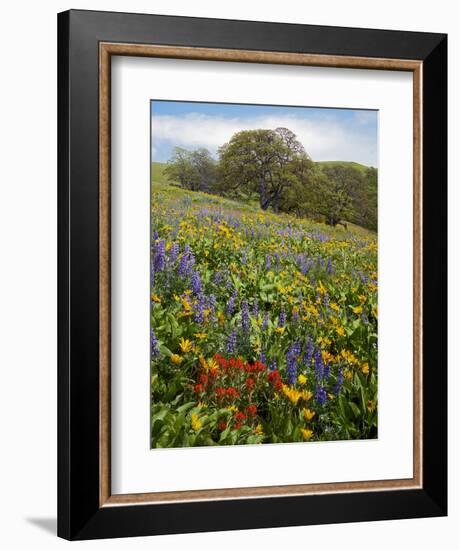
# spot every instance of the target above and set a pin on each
(360, 167)
(166, 192)
(157, 172)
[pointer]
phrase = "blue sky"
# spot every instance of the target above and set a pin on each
(326, 134)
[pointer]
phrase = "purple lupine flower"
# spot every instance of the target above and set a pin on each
(329, 267)
(212, 305)
(273, 365)
(152, 272)
(305, 265)
(282, 319)
(199, 312)
(255, 308)
(364, 278)
(245, 319)
(174, 252)
(292, 364)
(230, 306)
(191, 260)
(263, 357)
(196, 285)
(231, 342)
(154, 348)
(319, 364)
(268, 261)
(264, 325)
(339, 382)
(183, 265)
(159, 255)
(155, 235)
(320, 395)
(218, 277)
(295, 315)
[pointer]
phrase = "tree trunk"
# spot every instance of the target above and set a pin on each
(264, 199)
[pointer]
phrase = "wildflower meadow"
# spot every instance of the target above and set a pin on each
(263, 323)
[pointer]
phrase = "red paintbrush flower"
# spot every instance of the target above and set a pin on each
(232, 393)
(273, 376)
(252, 410)
(220, 392)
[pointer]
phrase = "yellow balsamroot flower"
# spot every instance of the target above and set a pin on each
(365, 368)
(186, 305)
(327, 356)
(201, 335)
(335, 306)
(311, 309)
(349, 357)
(324, 341)
(362, 298)
(196, 424)
(185, 345)
(340, 330)
(232, 408)
(280, 330)
(347, 374)
(209, 364)
(290, 392)
(307, 434)
(156, 298)
(258, 430)
(321, 288)
(371, 405)
(306, 395)
(357, 310)
(176, 359)
(302, 379)
(308, 414)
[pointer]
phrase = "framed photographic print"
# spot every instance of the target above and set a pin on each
(252, 274)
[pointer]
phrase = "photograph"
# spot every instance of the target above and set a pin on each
(264, 274)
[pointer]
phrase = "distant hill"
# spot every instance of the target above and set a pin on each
(357, 165)
(157, 172)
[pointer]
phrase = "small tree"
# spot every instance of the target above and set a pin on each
(337, 193)
(194, 170)
(205, 169)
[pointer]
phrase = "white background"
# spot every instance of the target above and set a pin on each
(28, 272)
(136, 468)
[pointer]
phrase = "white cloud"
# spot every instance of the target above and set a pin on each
(324, 139)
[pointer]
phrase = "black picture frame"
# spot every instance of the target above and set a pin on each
(80, 515)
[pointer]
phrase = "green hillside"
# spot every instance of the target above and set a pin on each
(157, 172)
(357, 165)
(158, 177)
